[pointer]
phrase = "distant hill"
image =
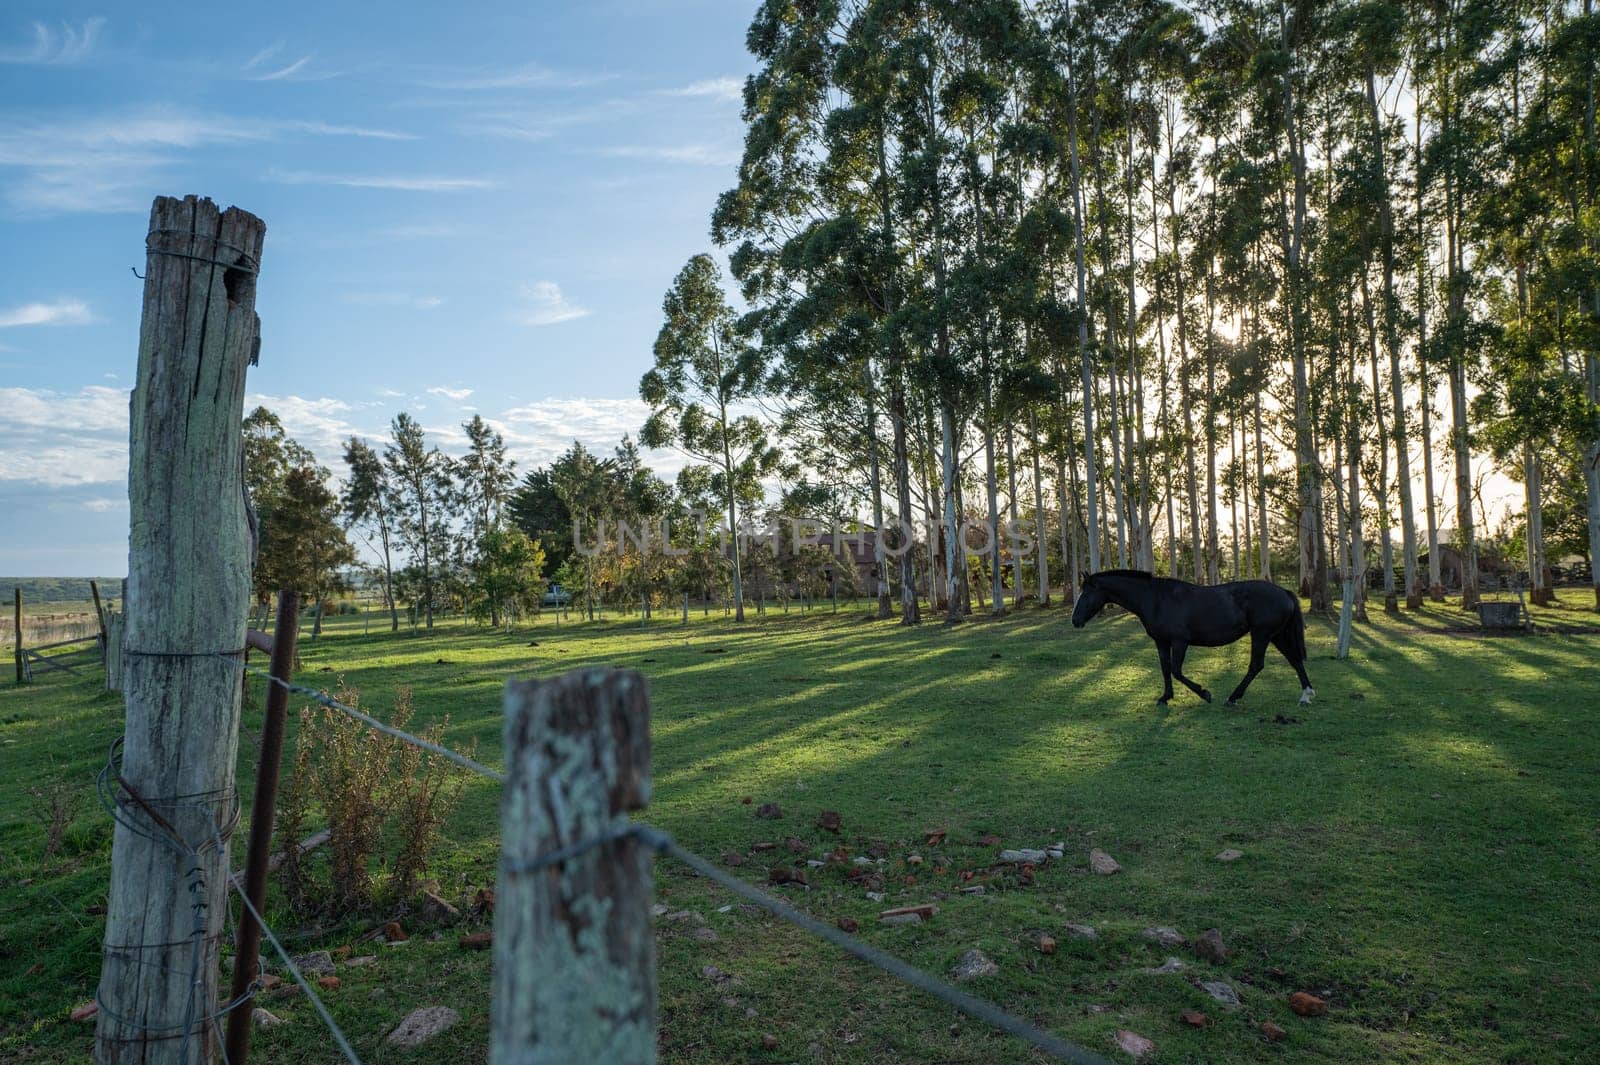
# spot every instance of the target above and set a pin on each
(59, 589)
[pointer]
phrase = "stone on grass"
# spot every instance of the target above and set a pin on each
(317, 963)
(705, 935)
(1221, 991)
(477, 941)
(437, 911)
(1102, 863)
(1307, 1005)
(1047, 944)
(1171, 965)
(1273, 1033)
(1230, 855)
(829, 820)
(1082, 931)
(1056, 850)
(365, 959)
(86, 1011)
(973, 965)
(1024, 856)
(1134, 1044)
(1194, 1018)
(771, 811)
(265, 1018)
(1163, 936)
(1210, 946)
(849, 924)
(733, 858)
(901, 918)
(422, 1024)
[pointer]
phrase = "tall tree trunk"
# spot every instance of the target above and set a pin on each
(1085, 361)
(880, 561)
(1391, 601)
(1041, 544)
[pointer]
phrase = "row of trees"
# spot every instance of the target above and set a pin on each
(1136, 270)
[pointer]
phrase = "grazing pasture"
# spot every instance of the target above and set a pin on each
(1420, 847)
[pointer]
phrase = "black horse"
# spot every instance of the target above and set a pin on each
(1178, 615)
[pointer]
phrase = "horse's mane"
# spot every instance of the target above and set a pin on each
(1145, 574)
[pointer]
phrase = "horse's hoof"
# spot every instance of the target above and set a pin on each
(1306, 695)
(1206, 696)
(1161, 701)
(1231, 702)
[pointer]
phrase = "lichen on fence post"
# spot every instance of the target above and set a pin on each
(574, 956)
(189, 562)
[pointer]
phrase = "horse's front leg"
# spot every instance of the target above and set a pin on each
(1164, 649)
(1179, 649)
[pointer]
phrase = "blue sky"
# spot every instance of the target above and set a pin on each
(469, 207)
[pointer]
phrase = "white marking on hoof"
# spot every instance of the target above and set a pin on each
(1305, 696)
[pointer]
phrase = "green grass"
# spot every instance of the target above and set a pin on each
(1421, 847)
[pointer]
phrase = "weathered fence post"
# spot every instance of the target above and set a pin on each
(574, 956)
(113, 651)
(190, 552)
(99, 611)
(17, 638)
(247, 939)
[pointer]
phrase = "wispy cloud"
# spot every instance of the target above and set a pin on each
(114, 161)
(265, 65)
(61, 312)
(64, 438)
(692, 154)
(731, 89)
(57, 47)
(525, 76)
(544, 304)
(400, 182)
(457, 394)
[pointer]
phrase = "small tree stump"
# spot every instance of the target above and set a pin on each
(574, 952)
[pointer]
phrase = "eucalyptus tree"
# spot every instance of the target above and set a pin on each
(420, 491)
(366, 503)
(705, 372)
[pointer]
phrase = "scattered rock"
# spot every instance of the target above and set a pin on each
(989, 841)
(1097, 1007)
(1273, 1033)
(364, 960)
(815, 863)
(715, 975)
(875, 896)
(973, 965)
(849, 924)
(477, 941)
(705, 935)
(786, 874)
(1163, 936)
(935, 836)
(1210, 946)
(975, 889)
(437, 911)
(924, 910)
(1221, 991)
(658, 910)
(796, 845)
(914, 859)
(1229, 854)
(878, 849)
(902, 918)
(483, 901)
(394, 933)
(732, 858)
(1056, 850)
(1134, 1044)
(771, 811)
(1082, 931)
(423, 1024)
(829, 820)
(763, 846)
(769, 1042)
(328, 983)
(86, 1011)
(1194, 1018)
(680, 916)
(265, 1018)
(317, 963)
(1102, 863)
(1047, 945)
(1024, 856)
(1171, 965)
(1307, 1005)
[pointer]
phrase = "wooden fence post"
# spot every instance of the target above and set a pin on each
(189, 561)
(17, 640)
(113, 651)
(247, 938)
(99, 611)
(574, 954)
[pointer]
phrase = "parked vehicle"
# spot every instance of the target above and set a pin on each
(557, 596)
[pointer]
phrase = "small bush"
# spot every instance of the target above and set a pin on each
(383, 800)
(54, 805)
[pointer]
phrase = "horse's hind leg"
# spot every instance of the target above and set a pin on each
(1179, 649)
(1258, 658)
(1286, 647)
(1165, 651)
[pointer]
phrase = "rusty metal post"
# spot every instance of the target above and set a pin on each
(247, 949)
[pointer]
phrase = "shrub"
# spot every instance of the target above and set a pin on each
(371, 790)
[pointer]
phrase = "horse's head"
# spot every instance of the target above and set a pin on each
(1091, 600)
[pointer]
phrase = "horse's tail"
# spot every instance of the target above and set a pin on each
(1295, 632)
